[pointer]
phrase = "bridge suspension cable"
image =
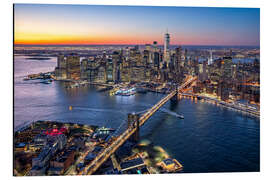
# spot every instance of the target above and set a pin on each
(122, 125)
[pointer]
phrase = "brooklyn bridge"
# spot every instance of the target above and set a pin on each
(135, 120)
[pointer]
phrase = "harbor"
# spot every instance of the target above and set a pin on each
(126, 90)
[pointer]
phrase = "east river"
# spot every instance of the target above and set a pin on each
(209, 139)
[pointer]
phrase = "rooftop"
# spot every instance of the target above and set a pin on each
(132, 164)
(168, 161)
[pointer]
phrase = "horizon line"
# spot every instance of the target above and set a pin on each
(14, 44)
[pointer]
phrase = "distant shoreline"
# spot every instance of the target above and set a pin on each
(39, 58)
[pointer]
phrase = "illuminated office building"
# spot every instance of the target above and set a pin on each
(166, 48)
(68, 67)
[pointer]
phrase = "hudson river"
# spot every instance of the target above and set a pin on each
(209, 139)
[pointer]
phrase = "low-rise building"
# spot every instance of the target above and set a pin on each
(63, 160)
(130, 165)
(171, 165)
(53, 144)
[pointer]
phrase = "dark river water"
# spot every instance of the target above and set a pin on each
(209, 139)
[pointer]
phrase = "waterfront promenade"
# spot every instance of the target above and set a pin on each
(233, 105)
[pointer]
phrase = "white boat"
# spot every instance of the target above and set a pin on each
(180, 116)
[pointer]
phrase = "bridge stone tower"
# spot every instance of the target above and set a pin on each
(174, 99)
(133, 122)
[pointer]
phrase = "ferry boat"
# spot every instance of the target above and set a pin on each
(126, 91)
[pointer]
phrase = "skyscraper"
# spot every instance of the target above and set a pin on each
(166, 48)
(178, 55)
(68, 66)
(155, 46)
(227, 68)
(210, 59)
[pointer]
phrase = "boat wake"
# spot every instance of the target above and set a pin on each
(161, 109)
(169, 112)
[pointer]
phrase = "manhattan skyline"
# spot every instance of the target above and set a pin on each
(41, 24)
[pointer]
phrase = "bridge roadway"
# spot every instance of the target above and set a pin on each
(111, 148)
